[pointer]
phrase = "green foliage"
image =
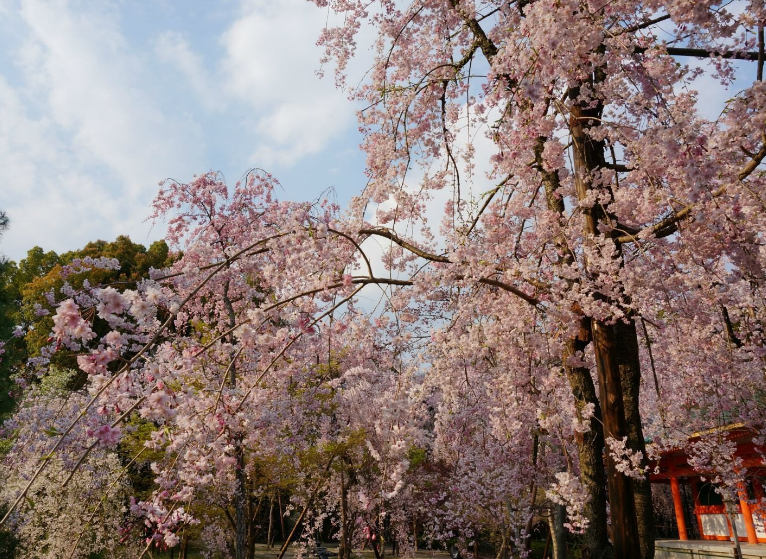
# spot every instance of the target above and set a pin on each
(23, 290)
(13, 278)
(9, 543)
(132, 450)
(416, 456)
(135, 260)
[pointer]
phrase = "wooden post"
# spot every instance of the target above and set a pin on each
(281, 514)
(270, 532)
(695, 483)
(675, 489)
(747, 514)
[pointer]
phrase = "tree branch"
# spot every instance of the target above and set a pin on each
(642, 25)
(619, 167)
(669, 225)
(489, 48)
(390, 234)
(704, 53)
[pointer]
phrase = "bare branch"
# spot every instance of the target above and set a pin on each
(705, 53)
(642, 25)
(390, 234)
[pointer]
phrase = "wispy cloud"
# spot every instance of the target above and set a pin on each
(94, 90)
(96, 108)
(173, 48)
(271, 63)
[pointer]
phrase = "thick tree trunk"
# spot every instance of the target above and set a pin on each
(630, 376)
(590, 448)
(621, 500)
(588, 155)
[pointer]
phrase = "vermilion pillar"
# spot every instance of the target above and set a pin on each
(747, 515)
(675, 489)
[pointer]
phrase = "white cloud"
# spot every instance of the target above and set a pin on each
(94, 91)
(89, 119)
(52, 201)
(271, 64)
(172, 48)
(82, 142)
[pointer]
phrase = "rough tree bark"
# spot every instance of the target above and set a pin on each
(588, 157)
(630, 375)
(590, 446)
(590, 449)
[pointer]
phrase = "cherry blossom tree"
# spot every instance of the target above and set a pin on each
(594, 278)
(75, 519)
(211, 350)
(616, 203)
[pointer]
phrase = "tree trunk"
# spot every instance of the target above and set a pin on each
(532, 499)
(558, 532)
(590, 446)
(588, 157)
(344, 549)
(240, 495)
(270, 533)
(630, 376)
(621, 499)
(590, 449)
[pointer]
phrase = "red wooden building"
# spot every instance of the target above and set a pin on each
(712, 520)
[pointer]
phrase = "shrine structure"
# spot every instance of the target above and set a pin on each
(700, 510)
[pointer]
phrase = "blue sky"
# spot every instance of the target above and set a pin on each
(100, 100)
